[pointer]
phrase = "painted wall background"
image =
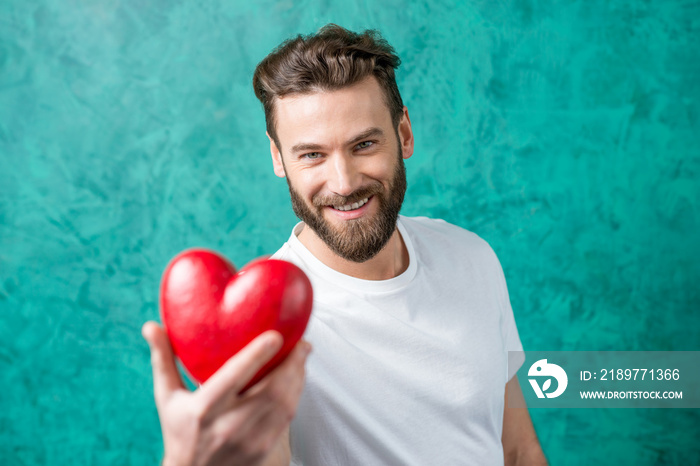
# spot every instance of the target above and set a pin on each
(564, 133)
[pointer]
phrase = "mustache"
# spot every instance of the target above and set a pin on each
(355, 196)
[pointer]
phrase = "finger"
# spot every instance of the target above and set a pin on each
(241, 367)
(265, 415)
(281, 388)
(269, 406)
(289, 369)
(288, 383)
(166, 378)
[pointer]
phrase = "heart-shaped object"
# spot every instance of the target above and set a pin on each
(211, 312)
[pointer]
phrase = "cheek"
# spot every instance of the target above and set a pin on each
(309, 183)
(384, 173)
(377, 167)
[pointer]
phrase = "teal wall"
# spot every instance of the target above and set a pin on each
(565, 133)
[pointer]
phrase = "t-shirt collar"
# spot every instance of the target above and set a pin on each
(324, 272)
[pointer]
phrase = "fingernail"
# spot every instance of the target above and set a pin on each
(143, 333)
(273, 342)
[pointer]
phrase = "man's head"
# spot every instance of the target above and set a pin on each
(330, 102)
(329, 60)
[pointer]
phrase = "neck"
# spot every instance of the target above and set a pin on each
(390, 262)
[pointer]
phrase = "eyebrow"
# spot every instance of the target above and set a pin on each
(309, 146)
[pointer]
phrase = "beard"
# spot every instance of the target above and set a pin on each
(357, 240)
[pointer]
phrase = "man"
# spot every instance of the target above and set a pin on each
(411, 321)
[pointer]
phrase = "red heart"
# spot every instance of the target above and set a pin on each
(211, 312)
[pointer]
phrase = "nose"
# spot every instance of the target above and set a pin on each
(344, 177)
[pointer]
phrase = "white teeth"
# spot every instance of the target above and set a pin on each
(354, 206)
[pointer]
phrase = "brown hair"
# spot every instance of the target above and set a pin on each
(331, 59)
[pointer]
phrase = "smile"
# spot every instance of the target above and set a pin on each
(353, 206)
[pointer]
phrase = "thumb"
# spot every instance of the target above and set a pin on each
(166, 378)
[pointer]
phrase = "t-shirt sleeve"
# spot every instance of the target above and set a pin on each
(509, 330)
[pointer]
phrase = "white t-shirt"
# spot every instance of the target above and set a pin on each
(410, 370)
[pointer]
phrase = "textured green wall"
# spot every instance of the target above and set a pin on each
(565, 133)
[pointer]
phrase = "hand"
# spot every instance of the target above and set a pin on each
(217, 425)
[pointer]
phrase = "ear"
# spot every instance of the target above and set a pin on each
(406, 134)
(277, 164)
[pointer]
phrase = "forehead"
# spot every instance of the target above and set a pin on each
(326, 117)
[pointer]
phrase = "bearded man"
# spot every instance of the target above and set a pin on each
(411, 322)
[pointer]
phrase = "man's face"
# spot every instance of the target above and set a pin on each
(343, 160)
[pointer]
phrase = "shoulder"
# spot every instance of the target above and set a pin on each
(429, 232)
(287, 252)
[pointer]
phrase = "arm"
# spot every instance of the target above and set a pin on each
(520, 444)
(216, 424)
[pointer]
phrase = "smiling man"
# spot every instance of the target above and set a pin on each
(347, 186)
(411, 319)
(411, 322)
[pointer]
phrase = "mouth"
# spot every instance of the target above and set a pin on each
(351, 211)
(353, 206)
